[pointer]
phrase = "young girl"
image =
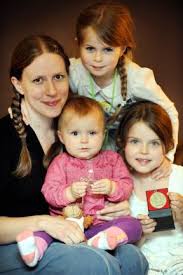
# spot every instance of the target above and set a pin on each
(106, 72)
(145, 136)
(87, 176)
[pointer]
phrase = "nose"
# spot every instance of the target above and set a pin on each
(84, 138)
(98, 56)
(144, 148)
(51, 89)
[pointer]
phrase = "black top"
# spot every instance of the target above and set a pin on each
(20, 196)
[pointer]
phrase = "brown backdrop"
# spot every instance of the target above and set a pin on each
(158, 35)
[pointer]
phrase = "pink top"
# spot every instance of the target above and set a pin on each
(65, 169)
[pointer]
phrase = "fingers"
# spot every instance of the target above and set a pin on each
(72, 233)
(114, 210)
(164, 170)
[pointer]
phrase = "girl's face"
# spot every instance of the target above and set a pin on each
(99, 58)
(44, 84)
(144, 151)
(82, 136)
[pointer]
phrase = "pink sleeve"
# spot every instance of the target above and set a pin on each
(55, 183)
(122, 177)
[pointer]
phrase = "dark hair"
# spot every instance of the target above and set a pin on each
(113, 23)
(155, 117)
(24, 54)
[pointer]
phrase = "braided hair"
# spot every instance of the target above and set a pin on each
(113, 23)
(24, 54)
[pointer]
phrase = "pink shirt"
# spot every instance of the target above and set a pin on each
(65, 169)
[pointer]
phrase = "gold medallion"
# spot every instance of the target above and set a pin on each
(158, 200)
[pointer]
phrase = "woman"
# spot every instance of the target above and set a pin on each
(39, 74)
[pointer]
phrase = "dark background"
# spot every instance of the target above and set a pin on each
(158, 36)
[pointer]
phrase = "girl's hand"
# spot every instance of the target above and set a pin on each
(163, 171)
(63, 230)
(114, 210)
(176, 201)
(103, 186)
(78, 189)
(148, 224)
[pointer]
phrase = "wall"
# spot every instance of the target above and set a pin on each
(158, 36)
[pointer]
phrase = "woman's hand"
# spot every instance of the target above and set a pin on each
(176, 201)
(163, 171)
(63, 230)
(114, 210)
(148, 224)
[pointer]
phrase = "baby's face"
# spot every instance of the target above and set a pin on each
(144, 150)
(83, 135)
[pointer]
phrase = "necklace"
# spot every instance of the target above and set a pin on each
(92, 89)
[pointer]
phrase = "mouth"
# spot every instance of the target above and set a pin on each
(98, 68)
(143, 162)
(84, 149)
(51, 103)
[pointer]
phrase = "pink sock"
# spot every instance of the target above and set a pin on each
(109, 238)
(31, 247)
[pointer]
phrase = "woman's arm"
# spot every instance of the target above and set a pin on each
(60, 229)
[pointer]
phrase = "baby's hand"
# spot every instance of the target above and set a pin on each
(103, 186)
(78, 189)
(163, 170)
(148, 224)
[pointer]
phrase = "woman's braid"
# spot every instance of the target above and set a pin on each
(25, 165)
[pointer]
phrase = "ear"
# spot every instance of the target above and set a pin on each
(59, 133)
(17, 84)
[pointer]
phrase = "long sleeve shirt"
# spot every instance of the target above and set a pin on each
(65, 169)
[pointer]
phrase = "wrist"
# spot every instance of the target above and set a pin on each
(69, 194)
(112, 188)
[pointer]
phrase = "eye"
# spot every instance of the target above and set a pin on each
(74, 133)
(38, 80)
(59, 76)
(92, 133)
(108, 49)
(133, 141)
(156, 143)
(90, 48)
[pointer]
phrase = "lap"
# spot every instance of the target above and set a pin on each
(60, 259)
(77, 259)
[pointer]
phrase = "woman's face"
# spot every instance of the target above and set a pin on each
(44, 84)
(144, 151)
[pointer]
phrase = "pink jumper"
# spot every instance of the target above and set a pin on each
(65, 169)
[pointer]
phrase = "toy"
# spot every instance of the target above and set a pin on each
(74, 213)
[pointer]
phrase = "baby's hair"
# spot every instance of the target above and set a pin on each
(113, 23)
(81, 106)
(153, 115)
(24, 54)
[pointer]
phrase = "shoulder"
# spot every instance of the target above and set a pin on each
(7, 129)
(76, 65)
(111, 156)
(134, 70)
(176, 177)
